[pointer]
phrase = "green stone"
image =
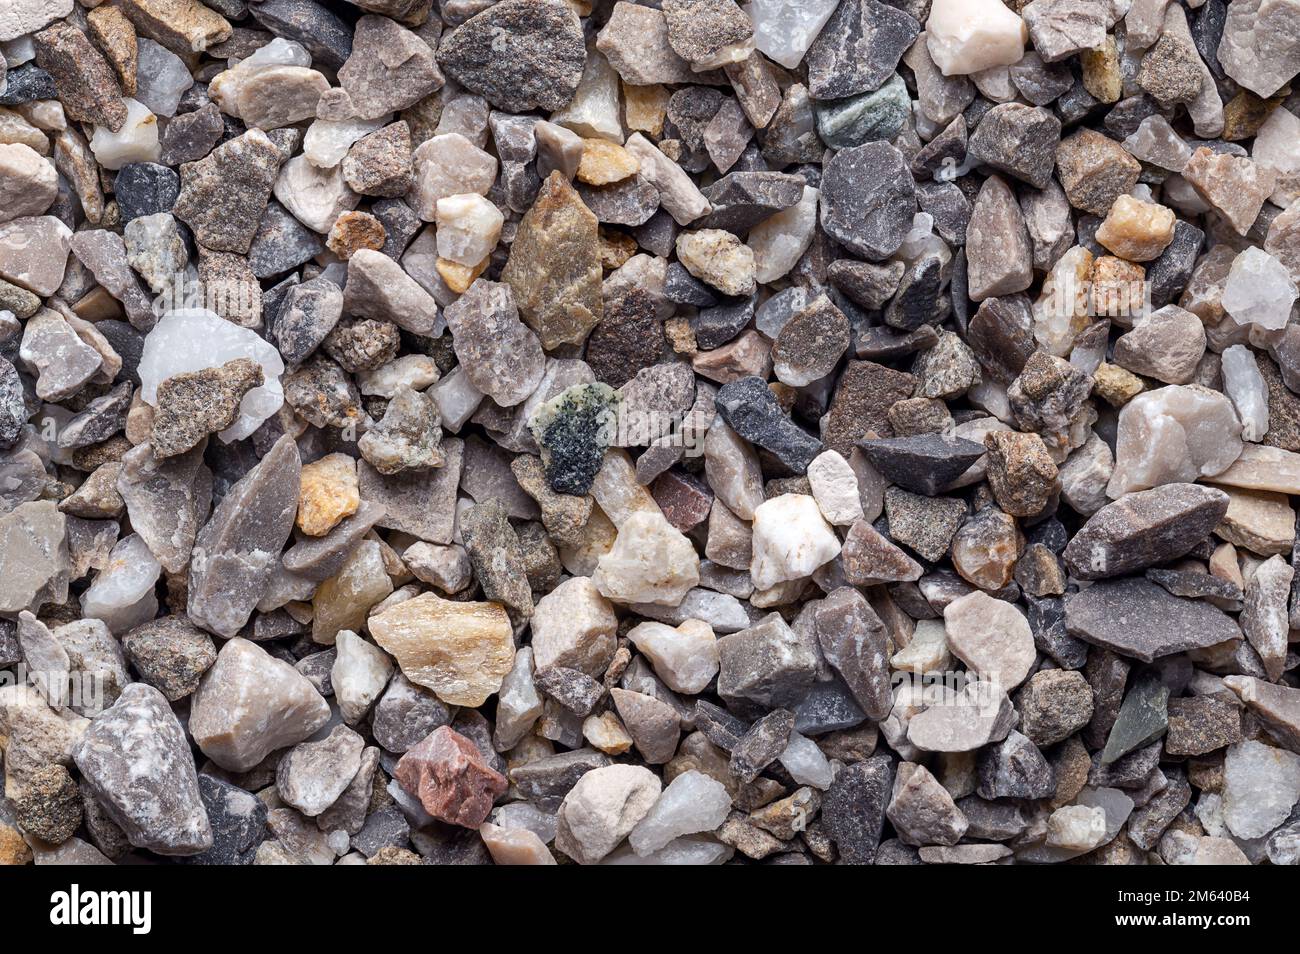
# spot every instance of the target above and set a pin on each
(1143, 718)
(878, 115)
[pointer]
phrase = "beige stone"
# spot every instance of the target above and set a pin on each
(650, 562)
(574, 626)
(515, 846)
(1259, 520)
(644, 108)
(460, 650)
(1135, 230)
(606, 733)
(992, 637)
(249, 704)
(604, 162)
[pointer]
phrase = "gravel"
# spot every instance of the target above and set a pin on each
(543, 432)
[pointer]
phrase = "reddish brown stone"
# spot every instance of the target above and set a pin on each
(450, 777)
(685, 500)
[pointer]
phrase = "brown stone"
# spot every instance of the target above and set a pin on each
(554, 265)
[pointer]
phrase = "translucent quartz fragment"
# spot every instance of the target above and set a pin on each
(783, 31)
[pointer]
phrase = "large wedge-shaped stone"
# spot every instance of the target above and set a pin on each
(237, 551)
(1135, 617)
(1145, 529)
(249, 704)
(137, 762)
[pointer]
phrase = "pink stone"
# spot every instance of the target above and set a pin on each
(450, 777)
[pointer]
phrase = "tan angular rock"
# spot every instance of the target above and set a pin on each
(1135, 230)
(328, 493)
(185, 27)
(604, 162)
(515, 846)
(460, 650)
(1259, 520)
(249, 704)
(573, 626)
(718, 258)
(554, 266)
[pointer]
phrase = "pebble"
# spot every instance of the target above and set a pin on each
(751, 409)
(602, 809)
(867, 199)
(451, 778)
(1144, 529)
(431, 639)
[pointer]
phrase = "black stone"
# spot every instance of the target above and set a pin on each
(631, 202)
(1019, 140)
(1206, 23)
(575, 440)
(1143, 718)
(751, 410)
(401, 225)
(1167, 276)
(99, 420)
(1126, 116)
(922, 463)
(1047, 623)
(949, 207)
(28, 83)
(716, 326)
(145, 188)
(920, 299)
(828, 707)
(1144, 529)
(945, 150)
(327, 37)
(719, 726)
(128, 343)
(683, 288)
(238, 820)
(853, 808)
(13, 405)
(657, 234)
(880, 343)
(1000, 334)
(571, 688)
(1131, 771)
(689, 113)
(281, 243)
